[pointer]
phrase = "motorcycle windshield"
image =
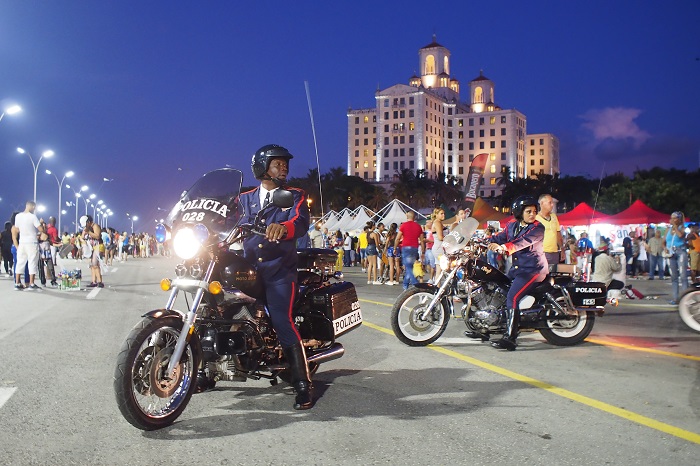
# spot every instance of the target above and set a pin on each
(460, 236)
(213, 202)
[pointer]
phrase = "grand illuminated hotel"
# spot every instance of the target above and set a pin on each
(425, 126)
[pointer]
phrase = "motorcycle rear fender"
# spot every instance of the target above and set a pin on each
(426, 286)
(160, 313)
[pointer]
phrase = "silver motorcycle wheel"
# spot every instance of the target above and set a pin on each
(689, 309)
(146, 397)
(568, 332)
(411, 324)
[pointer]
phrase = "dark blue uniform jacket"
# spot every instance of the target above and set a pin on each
(282, 254)
(526, 248)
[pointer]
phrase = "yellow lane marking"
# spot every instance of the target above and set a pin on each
(605, 407)
(642, 349)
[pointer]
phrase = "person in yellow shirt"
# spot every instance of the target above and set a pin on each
(362, 240)
(553, 240)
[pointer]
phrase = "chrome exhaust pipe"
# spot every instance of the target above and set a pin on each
(334, 352)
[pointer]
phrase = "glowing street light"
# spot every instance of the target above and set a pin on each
(60, 186)
(46, 153)
(133, 219)
(10, 111)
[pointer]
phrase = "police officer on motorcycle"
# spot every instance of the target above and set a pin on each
(522, 239)
(276, 258)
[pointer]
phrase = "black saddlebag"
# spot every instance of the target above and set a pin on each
(587, 294)
(330, 311)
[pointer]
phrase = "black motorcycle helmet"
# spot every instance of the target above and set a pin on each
(263, 156)
(520, 203)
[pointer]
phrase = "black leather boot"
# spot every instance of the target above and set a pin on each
(511, 333)
(301, 380)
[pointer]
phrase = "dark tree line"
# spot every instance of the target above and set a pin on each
(662, 189)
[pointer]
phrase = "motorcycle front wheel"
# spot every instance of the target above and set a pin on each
(689, 309)
(147, 398)
(411, 324)
(566, 332)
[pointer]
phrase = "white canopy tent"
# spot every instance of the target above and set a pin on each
(362, 215)
(395, 212)
(343, 216)
(329, 217)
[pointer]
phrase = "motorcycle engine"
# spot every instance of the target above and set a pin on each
(487, 305)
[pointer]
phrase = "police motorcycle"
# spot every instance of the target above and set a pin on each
(562, 310)
(689, 307)
(223, 332)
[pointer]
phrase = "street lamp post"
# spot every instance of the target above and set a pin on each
(46, 153)
(133, 219)
(10, 111)
(60, 186)
(77, 196)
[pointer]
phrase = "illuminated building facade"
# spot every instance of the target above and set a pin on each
(423, 126)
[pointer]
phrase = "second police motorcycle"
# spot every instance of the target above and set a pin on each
(222, 332)
(562, 309)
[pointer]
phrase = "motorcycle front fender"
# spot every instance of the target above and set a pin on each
(426, 286)
(692, 288)
(160, 313)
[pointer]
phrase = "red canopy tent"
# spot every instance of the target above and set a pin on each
(582, 214)
(638, 213)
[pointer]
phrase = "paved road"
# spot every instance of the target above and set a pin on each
(630, 395)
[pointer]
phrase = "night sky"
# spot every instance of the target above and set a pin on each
(153, 94)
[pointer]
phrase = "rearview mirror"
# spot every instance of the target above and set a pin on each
(282, 198)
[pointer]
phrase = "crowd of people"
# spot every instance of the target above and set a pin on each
(31, 245)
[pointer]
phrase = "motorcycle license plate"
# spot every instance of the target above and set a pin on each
(348, 321)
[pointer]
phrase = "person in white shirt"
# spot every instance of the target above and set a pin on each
(27, 227)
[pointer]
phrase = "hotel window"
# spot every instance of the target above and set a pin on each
(386, 152)
(396, 165)
(410, 139)
(386, 115)
(357, 142)
(386, 165)
(492, 156)
(386, 102)
(366, 130)
(366, 119)
(471, 122)
(461, 158)
(532, 151)
(410, 100)
(492, 132)
(374, 118)
(503, 155)
(402, 152)
(449, 146)
(357, 153)
(374, 164)
(402, 139)
(410, 165)
(492, 120)
(471, 146)
(357, 120)
(461, 170)
(503, 118)
(402, 114)
(460, 146)
(541, 142)
(460, 135)
(503, 143)
(410, 113)
(541, 161)
(471, 133)
(481, 121)
(541, 151)
(357, 164)
(365, 153)
(492, 144)
(532, 161)
(493, 182)
(386, 128)
(411, 151)
(481, 145)
(396, 114)
(411, 126)
(386, 141)
(481, 133)
(366, 164)
(365, 141)
(396, 152)
(503, 131)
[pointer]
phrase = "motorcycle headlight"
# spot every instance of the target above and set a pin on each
(187, 241)
(444, 262)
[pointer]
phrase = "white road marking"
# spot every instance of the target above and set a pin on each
(114, 269)
(93, 293)
(5, 394)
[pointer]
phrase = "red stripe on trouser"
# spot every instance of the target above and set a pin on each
(517, 295)
(291, 307)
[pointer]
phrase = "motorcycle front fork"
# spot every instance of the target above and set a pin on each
(188, 323)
